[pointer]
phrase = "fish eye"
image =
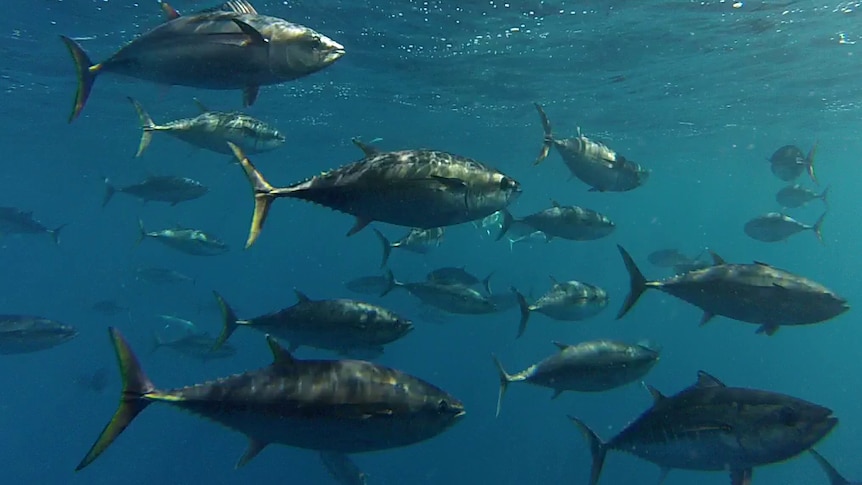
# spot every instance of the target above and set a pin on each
(787, 416)
(443, 406)
(506, 183)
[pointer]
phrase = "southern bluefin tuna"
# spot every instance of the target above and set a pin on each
(413, 188)
(211, 130)
(232, 47)
(794, 196)
(186, 240)
(788, 163)
(342, 469)
(451, 275)
(835, 478)
(774, 227)
(449, 298)
(161, 276)
(417, 240)
(755, 293)
(595, 164)
(348, 327)
(21, 334)
(566, 301)
(594, 366)
(344, 406)
(161, 188)
(569, 222)
(712, 427)
(17, 221)
(368, 285)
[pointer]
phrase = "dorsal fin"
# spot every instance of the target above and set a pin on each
(280, 355)
(657, 396)
(561, 345)
(367, 149)
(170, 12)
(716, 259)
(705, 380)
(239, 6)
(761, 263)
(302, 297)
(201, 106)
(554, 203)
(553, 280)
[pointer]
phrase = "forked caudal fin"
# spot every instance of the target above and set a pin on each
(817, 228)
(387, 247)
(809, 163)
(549, 138)
(263, 194)
(133, 398)
(86, 72)
(597, 448)
(638, 283)
(147, 127)
(525, 311)
(229, 321)
(55, 233)
(505, 379)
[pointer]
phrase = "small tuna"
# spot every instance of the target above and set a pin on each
(794, 196)
(516, 231)
(774, 227)
(348, 327)
(413, 188)
(342, 469)
(17, 221)
(668, 258)
(20, 334)
(835, 478)
(166, 188)
(197, 345)
(162, 276)
(755, 293)
(593, 163)
(712, 427)
(417, 240)
(594, 366)
(211, 130)
(450, 275)
(186, 240)
(569, 222)
(232, 47)
(343, 406)
(449, 298)
(567, 301)
(788, 163)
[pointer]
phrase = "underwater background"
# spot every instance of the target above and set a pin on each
(700, 92)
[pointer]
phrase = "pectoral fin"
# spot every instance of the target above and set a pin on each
(254, 447)
(249, 95)
(254, 35)
(358, 226)
(740, 477)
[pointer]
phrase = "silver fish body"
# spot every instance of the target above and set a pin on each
(593, 366)
(794, 196)
(21, 334)
(451, 298)
(567, 301)
(16, 221)
(162, 188)
(186, 240)
(775, 227)
(570, 222)
(788, 163)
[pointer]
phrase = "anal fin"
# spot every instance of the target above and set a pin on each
(255, 446)
(249, 95)
(358, 226)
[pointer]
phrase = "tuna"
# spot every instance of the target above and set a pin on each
(593, 163)
(712, 427)
(788, 163)
(186, 240)
(567, 301)
(162, 276)
(20, 334)
(755, 293)
(211, 130)
(417, 240)
(569, 222)
(516, 231)
(342, 469)
(412, 188)
(794, 196)
(166, 188)
(450, 275)
(232, 47)
(348, 327)
(368, 285)
(774, 227)
(594, 366)
(17, 221)
(458, 299)
(342, 406)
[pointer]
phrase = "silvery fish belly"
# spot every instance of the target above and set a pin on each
(413, 188)
(572, 300)
(349, 327)
(451, 298)
(774, 227)
(21, 334)
(571, 222)
(189, 241)
(712, 427)
(344, 406)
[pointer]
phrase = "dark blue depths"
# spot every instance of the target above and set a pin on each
(699, 93)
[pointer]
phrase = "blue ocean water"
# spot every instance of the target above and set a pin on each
(700, 92)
